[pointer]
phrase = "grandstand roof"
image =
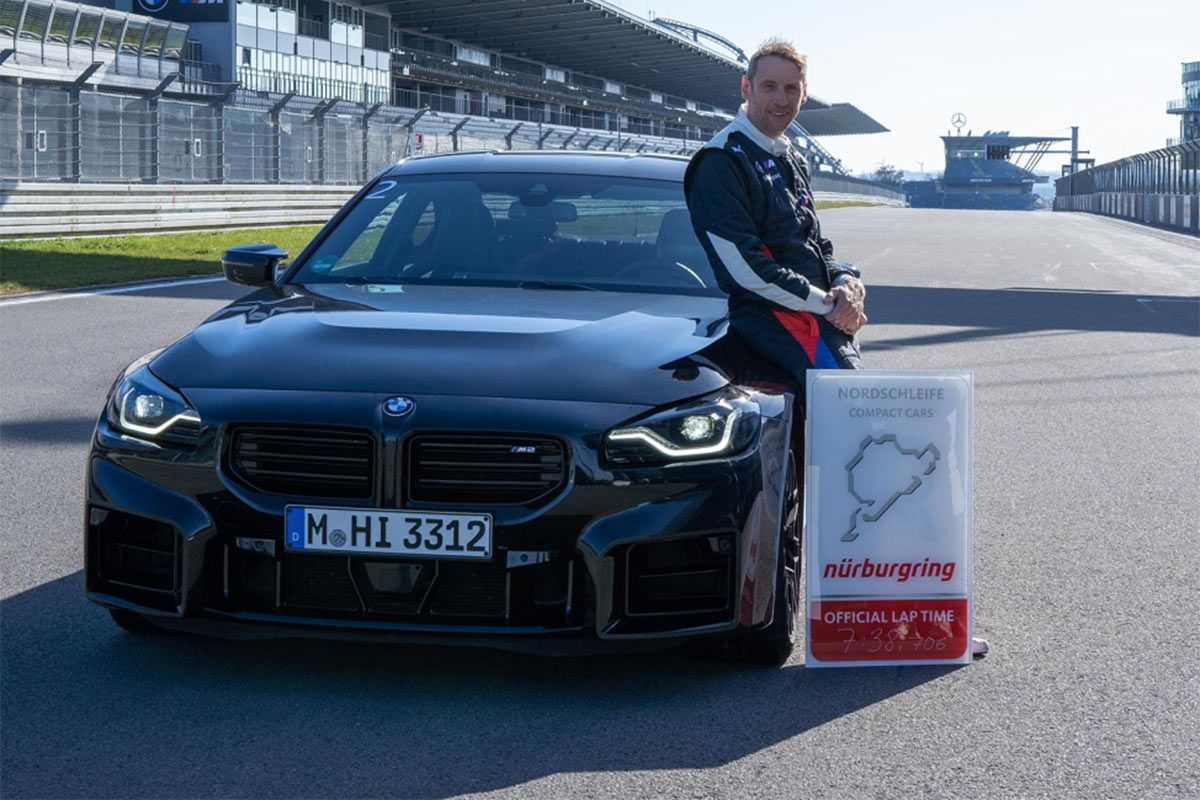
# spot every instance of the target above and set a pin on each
(832, 119)
(587, 35)
(596, 37)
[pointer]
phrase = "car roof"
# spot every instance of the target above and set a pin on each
(629, 165)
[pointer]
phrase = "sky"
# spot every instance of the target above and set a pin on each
(1032, 68)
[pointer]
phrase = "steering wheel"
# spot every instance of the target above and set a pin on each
(676, 274)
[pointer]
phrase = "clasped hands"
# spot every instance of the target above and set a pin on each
(848, 314)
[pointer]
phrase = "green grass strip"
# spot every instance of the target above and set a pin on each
(31, 266)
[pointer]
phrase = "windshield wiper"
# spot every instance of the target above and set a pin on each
(581, 287)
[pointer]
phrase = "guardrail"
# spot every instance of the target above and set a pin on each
(825, 186)
(1161, 188)
(1178, 211)
(55, 209)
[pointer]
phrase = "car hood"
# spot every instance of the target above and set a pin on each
(456, 340)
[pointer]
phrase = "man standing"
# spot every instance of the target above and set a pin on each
(751, 204)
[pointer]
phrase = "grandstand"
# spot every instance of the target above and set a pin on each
(993, 170)
(330, 91)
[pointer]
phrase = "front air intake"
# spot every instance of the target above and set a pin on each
(304, 462)
(133, 557)
(681, 576)
(484, 469)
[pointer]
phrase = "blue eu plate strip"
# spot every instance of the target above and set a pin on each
(294, 526)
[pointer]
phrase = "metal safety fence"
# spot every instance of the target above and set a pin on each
(1161, 187)
(74, 134)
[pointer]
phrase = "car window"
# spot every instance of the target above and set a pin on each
(516, 228)
(351, 247)
(608, 221)
(363, 247)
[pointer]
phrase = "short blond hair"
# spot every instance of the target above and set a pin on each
(780, 48)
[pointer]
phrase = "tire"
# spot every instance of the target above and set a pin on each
(134, 623)
(773, 645)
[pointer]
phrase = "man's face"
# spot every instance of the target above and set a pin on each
(775, 96)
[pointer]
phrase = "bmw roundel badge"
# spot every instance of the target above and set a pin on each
(398, 406)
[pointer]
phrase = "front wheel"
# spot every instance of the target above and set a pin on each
(773, 645)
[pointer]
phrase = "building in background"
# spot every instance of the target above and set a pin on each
(1188, 108)
(995, 170)
(323, 91)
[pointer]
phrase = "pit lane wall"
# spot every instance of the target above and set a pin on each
(1160, 188)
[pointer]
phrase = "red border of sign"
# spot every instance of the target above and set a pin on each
(909, 629)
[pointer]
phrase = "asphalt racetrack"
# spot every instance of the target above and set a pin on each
(1084, 337)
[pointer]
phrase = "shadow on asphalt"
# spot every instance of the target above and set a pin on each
(92, 711)
(985, 313)
(55, 430)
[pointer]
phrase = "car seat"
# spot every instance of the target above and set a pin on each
(464, 241)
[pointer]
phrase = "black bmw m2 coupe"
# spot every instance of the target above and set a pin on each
(495, 401)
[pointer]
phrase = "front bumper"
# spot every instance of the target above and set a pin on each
(614, 558)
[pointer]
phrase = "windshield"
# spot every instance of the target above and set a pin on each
(536, 231)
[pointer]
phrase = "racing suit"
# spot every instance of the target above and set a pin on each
(752, 208)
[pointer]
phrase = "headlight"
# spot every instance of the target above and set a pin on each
(717, 425)
(146, 407)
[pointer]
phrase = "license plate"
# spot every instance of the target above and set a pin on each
(411, 534)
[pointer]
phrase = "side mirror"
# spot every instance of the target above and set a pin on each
(252, 264)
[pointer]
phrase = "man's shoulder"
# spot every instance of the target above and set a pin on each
(734, 148)
(710, 165)
(730, 140)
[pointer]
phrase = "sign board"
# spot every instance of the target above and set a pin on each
(888, 517)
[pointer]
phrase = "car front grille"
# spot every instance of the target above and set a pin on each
(469, 590)
(309, 462)
(321, 582)
(484, 469)
(441, 592)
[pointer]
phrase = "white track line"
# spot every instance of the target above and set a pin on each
(137, 287)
